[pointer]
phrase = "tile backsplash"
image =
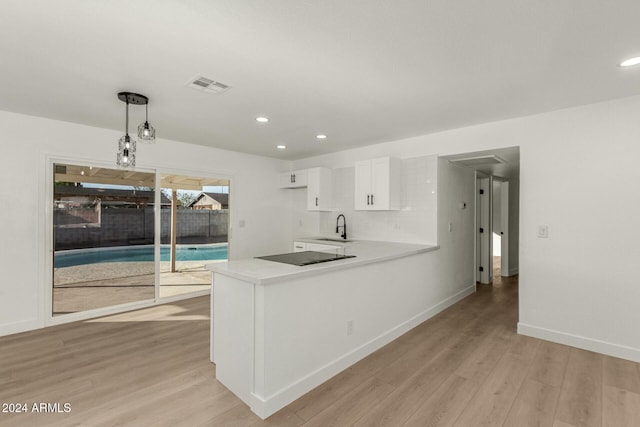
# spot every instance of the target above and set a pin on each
(415, 222)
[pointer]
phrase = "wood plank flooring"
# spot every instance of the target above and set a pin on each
(464, 367)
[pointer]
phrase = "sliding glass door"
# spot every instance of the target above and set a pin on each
(103, 237)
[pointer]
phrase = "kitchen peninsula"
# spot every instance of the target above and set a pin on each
(280, 330)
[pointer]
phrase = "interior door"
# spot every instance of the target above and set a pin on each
(504, 221)
(484, 229)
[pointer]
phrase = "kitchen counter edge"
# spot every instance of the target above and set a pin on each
(262, 272)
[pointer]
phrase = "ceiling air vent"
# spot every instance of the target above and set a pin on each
(207, 85)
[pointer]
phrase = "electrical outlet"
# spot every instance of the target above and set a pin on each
(349, 327)
(450, 227)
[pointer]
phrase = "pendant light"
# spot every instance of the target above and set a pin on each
(126, 145)
(146, 132)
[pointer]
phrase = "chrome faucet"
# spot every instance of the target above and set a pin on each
(344, 226)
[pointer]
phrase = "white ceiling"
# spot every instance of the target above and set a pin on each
(360, 71)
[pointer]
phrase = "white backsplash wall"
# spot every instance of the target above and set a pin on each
(415, 222)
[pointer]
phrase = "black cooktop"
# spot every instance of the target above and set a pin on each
(305, 257)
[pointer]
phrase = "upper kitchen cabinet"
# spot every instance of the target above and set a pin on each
(319, 189)
(294, 179)
(377, 184)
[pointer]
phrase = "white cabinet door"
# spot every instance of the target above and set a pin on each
(300, 178)
(319, 189)
(308, 246)
(323, 248)
(285, 180)
(293, 179)
(363, 185)
(377, 184)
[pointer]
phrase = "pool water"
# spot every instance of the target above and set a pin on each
(138, 253)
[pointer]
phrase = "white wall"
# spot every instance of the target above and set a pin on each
(579, 286)
(28, 141)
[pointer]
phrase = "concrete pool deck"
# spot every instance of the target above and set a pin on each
(91, 286)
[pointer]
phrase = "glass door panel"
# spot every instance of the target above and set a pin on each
(103, 237)
(194, 227)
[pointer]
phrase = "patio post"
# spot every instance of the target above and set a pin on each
(174, 230)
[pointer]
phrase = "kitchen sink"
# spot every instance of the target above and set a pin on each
(333, 239)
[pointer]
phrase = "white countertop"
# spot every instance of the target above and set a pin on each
(263, 272)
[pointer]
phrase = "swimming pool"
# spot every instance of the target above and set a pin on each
(138, 253)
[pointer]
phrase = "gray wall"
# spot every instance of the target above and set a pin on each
(121, 226)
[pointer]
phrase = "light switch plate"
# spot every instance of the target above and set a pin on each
(543, 231)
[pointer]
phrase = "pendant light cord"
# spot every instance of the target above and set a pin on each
(126, 132)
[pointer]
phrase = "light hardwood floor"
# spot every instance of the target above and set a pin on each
(464, 367)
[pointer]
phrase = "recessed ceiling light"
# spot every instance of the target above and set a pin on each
(630, 62)
(321, 136)
(262, 119)
(281, 147)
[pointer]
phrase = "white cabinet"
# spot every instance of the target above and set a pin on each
(318, 183)
(377, 184)
(309, 246)
(293, 179)
(319, 189)
(323, 248)
(299, 246)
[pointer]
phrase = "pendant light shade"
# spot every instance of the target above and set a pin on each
(126, 152)
(126, 157)
(146, 132)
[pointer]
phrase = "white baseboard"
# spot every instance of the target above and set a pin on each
(265, 407)
(512, 272)
(22, 326)
(180, 297)
(585, 343)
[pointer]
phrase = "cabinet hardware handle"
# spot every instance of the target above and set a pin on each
(372, 199)
(316, 201)
(368, 200)
(294, 177)
(291, 178)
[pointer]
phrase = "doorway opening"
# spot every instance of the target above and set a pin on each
(497, 211)
(500, 228)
